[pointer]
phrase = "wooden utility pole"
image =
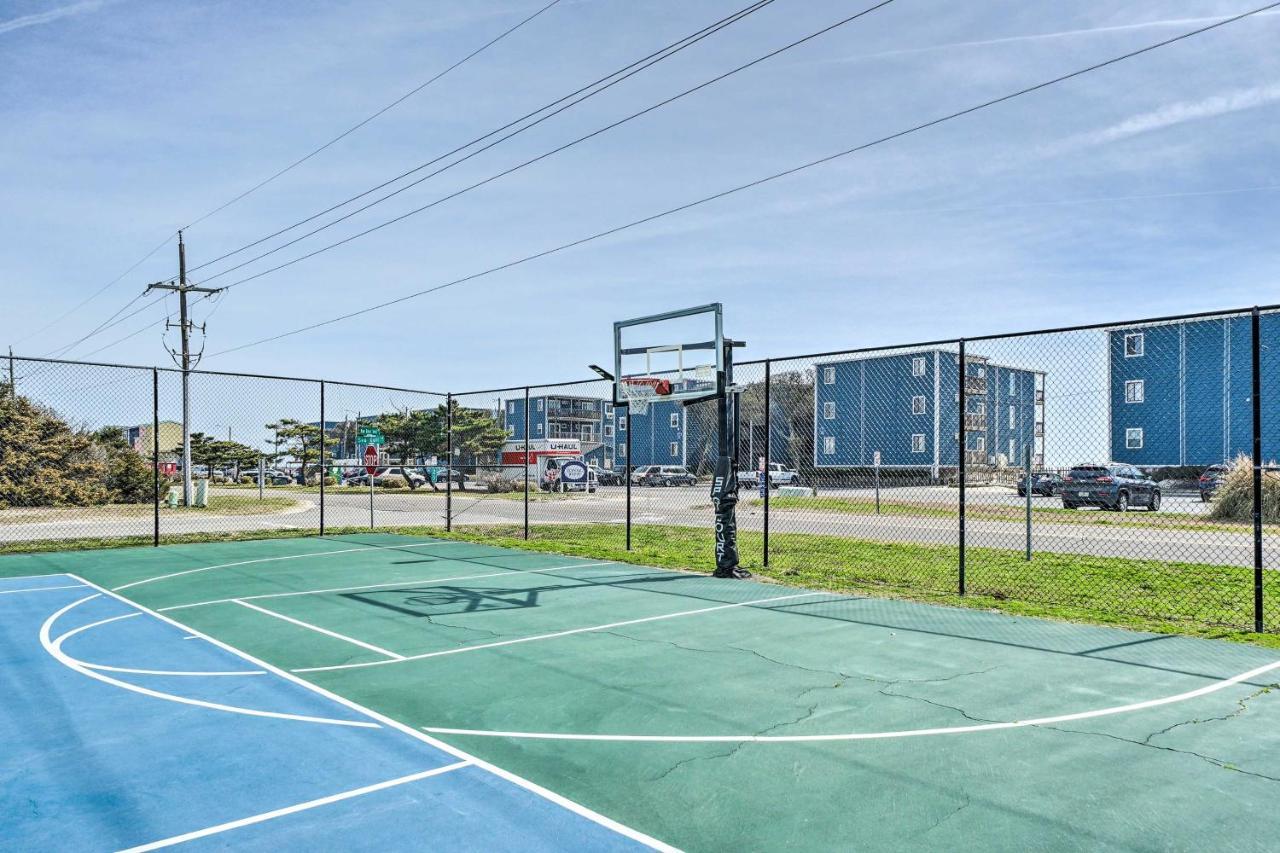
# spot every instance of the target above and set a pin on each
(184, 324)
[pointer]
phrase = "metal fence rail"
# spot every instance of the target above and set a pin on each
(1116, 468)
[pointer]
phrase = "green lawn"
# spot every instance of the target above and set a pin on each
(1004, 512)
(218, 505)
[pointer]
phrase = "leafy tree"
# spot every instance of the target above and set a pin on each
(475, 431)
(44, 462)
(302, 443)
(411, 434)
(129, 478)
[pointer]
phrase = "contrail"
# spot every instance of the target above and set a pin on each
(50, 16)
(1117, 28)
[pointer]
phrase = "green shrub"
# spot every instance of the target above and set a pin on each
(43, 462)
(1233, 501)
(330, 480)
(247, 480)
(394, 481)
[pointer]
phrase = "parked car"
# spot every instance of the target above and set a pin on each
(1109, 485)
(1044, 483)
(1210, 480)
(666, 475)
(270, 478)
(607, 476)
(640, 472)
(779, 475)
(439, 474)
(361, 478)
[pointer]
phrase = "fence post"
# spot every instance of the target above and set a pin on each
(962, 432)
(155, 455)
(1027, 482)
(626, 474)
(448, 463)
(1256, 347)
(526, 462)
(323, 473)
(768, 453)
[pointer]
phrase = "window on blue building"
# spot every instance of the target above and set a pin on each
(539, 429)
(829, 445)
(622, 423)
(1135, 391)
(917, 405)
(675, 448)
(1133, 438)
(675, 420)
(1013, 418)
(828, 376)
(1013, 383)
(1134, 345)
(917, 443)
(917, 366)
(539, 404)
(511, 407)
(829, 411)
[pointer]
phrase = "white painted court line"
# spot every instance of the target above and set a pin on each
(36, 577)
(105, 668)
(294, 809)
(422, 582)
(361, 643)
(41, 588)
(569, 633)
(949, 730)
(272, 560)
(551, 796)
(54, 648)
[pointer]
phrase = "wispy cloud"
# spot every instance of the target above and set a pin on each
(50, 16)
(1061, 34)
(1178, 113)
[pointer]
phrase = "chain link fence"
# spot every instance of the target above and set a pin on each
(1106, 470)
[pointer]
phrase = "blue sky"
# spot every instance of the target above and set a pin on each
(1148, 188)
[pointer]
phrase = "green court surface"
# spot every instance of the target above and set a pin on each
(732, 715)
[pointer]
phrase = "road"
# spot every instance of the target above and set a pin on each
(690, 507)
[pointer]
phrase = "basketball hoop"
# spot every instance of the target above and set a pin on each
(642, 390)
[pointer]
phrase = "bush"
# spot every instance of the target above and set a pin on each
(1233, 501)
(394, 481)
(246, 480)
(495, 483)
(129, 479)
(330, 480)
(43, 462)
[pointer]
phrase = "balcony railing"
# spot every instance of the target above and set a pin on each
(576, 412)
(975, 421)
(975, 385)
(975, 457)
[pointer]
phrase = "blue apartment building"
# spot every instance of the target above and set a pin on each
(906, 407)
(590, 420)
(1180, 392)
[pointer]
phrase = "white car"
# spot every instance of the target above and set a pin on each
(779, 475)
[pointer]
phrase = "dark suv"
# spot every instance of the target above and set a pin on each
(1042, 483)
(1211, 480)
(1109, 485)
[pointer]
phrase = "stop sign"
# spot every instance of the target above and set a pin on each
(371, 459)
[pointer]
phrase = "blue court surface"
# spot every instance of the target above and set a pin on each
(124, 731)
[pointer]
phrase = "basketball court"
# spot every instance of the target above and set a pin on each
(389, 691)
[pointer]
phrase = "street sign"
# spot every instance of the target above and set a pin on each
(370, 435)
(371, 460)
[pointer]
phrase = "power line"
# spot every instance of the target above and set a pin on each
(370, 118)
(767, 179)
(543, 156)
(621, 74)
(95, 294)
(109, 323)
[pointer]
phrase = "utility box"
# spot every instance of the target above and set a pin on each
(171, 499)
(201, 497)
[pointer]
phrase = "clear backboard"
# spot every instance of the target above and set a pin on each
(676, 355)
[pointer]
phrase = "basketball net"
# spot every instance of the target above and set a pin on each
(642, 390)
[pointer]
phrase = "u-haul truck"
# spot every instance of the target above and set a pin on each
(555, 464)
